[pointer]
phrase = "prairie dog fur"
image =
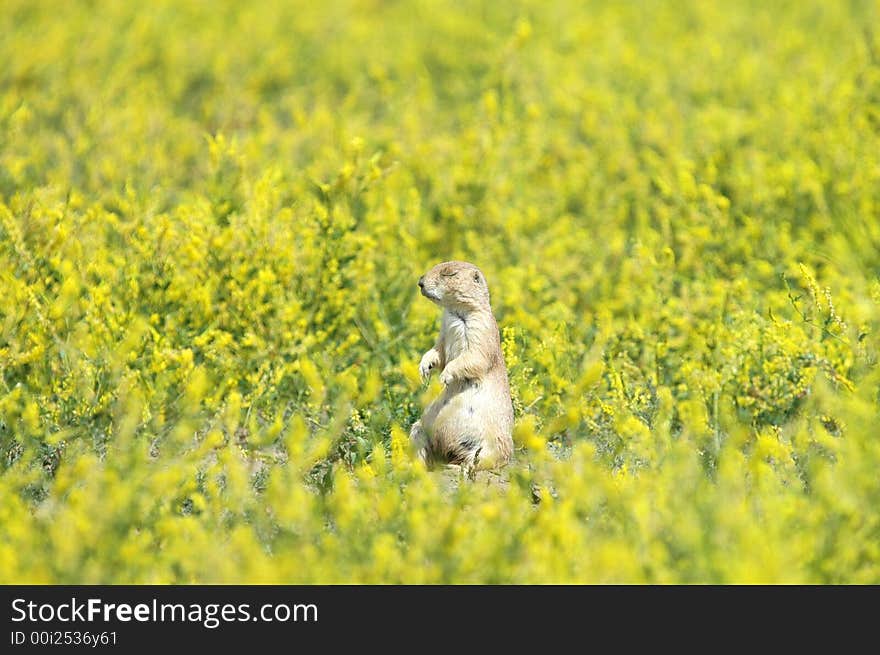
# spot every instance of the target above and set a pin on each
(471, 422)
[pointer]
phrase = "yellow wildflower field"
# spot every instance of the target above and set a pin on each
(213, 216)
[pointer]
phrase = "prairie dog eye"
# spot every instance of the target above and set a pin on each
(476, 277)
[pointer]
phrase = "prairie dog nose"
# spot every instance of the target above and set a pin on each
(422, 282)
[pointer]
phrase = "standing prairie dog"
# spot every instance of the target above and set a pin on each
(471, 422)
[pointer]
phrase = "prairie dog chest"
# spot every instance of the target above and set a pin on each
(454, 331)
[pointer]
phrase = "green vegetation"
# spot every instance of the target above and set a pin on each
(213, 216)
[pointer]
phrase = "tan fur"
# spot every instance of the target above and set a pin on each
(472, 420)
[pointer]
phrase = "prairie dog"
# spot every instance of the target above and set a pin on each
(471, 422)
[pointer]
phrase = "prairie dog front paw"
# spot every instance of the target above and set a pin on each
(430, 361)
(446, 377)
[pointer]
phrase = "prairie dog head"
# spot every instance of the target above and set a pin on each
(458, 286)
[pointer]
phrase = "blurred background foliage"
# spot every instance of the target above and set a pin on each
(213, 216)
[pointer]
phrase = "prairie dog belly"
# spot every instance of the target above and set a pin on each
(461, 422)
